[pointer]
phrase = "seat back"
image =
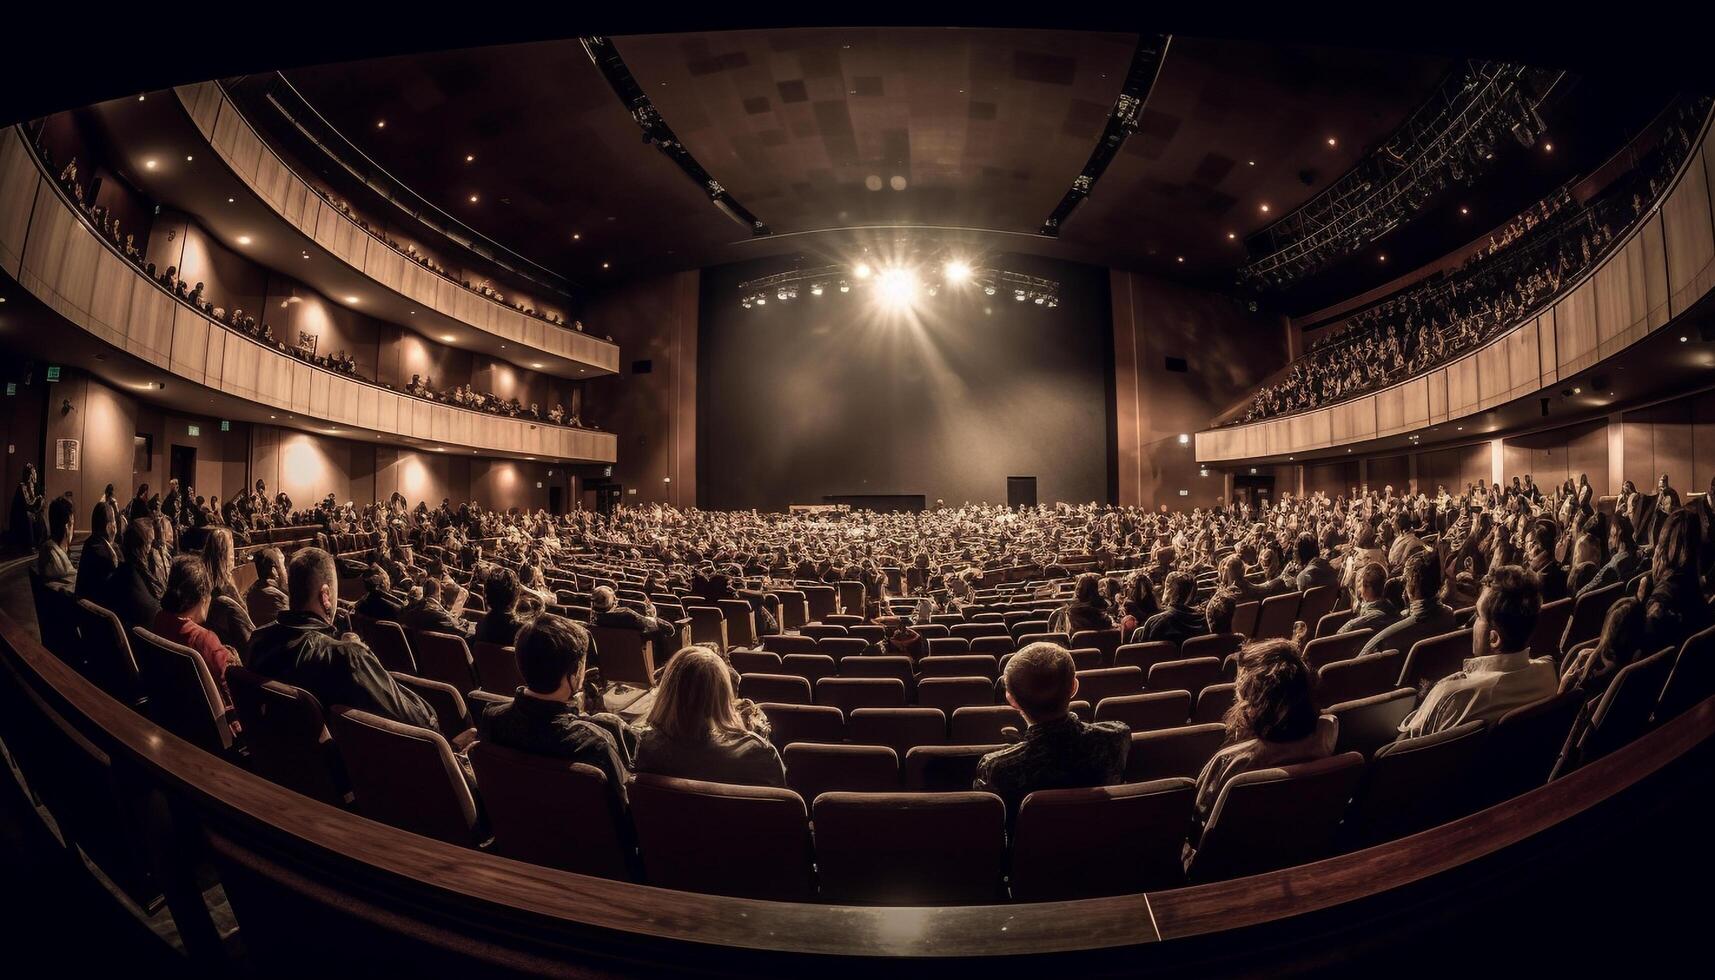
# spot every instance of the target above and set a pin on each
(849, 693)
(1182, 751)
(889, 665)
(810, 666)
(452, 714)
(1524, 746)
(784, 643)
(1369, 723)
(1588, 612)
(945, 768)
(1106, 641)
(1184, 675)
(952, 693)
(740, 621)
(947, 646)
(54, 617)
(496, 667)
(405, 776)
(1692, 679)
(790, 723)
(994, 646)
(1274, 818)
(1097, 685)
(838, 647)
(1245, 618)
(968, 665)
(745, 841)
(1220, 645)
(942, 848)
(625, 656)
(776, 688)
(1275, 619)
(972, 631)
(813, 769)
(900, 729)
(444, 657)
(1146, 712)
(107, 652)
(853, 598)
(1435, 657)
(532, 801)
(288, 737)
(1213, 703)
(1058, 639)
(756, 662)
(1103, 840)
(820, 601)
(822, 631)
(1551, 627)
(983, 724)
(1359, 677)
(1624, 711)
(1146, 655)
(1325, 650)
(1330, 624)
(708, 626)
(1415, 783)
(183, 697)
(1318, 601)
(391, 647)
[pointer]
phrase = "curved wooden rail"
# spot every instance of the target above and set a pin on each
(303, 835)
(1662, 269)
(289, 196)
(46, 245)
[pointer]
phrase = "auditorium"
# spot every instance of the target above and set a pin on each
(1181, 491)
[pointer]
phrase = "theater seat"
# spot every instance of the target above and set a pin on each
(983, 724)
(1325, 650)
(944, 768)
(107, 652)
(1413, 784)
(1624, 711)
(496, 667)
(1095, 686)
(445, 658)
(813, 769)
(1359, 677)
(534, 802)
(1146, 655)
(1692, 679)
(941, 848)
(1369, 723)
(1146, 712)
(755, 662)
(1221, 645)
(1184, 675)
(183, 696)
(1274, 818)
(1182, 751)
(777, 688)
(745, 841)
(900, 729)
(1524, 746)
(810, 666)
(1104, 840)
(952, 693)
(790, 723)
(1435, 657)
(1213, 702)
(286, 732)
(848, 693)
(387, 639)
(405, 776)
(968, 665)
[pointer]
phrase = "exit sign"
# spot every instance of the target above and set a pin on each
(195, 430)
(11, 388)
(53, 372)
(225, 426)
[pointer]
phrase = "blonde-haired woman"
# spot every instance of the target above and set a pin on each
(228, 616)
(699, 730)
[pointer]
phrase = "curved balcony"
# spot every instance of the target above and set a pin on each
(1656, 273)
(46, 244)
(294, 201)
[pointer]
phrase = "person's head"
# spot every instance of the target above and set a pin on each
(551, 655)
(1270, 562)
(1040, 681)
(270, 565)
(60, 519)
(1676, 547)
(1218, 613)
(1305, 548)
(1620, 534)
(1507, 611)
(1366, 537)
(1274, 697)
(501, 590)
(139, 538)
(1622, 632)
(1539, 539)
(1423, 577)
(602, 599)
(1089, 589)
(218, 557)
(312, 583)
(1372, 581)
(1179, 588)
(102, 525)
(187, 593)
(1232, 570)
(1401, 522)
(695, 699)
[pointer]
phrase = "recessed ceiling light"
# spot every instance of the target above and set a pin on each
(535, 364)
(576, 236)
(380, 124)
(449, 338)
(473, 199)
(351, 299)
(605, 265)
(1332, 141)
(470, 158)
(1251, 162)
(229, 200)
(243, 239)
(1231, 236)
(140, 98)
(1548, 147)
(1382, 257)
(189, 158)
(1265, 209)
(1464, 210)
(148, 164)
(1180, 258)
(1681, 340)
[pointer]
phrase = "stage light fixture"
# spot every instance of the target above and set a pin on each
(745, 302)
(1041, 299)
(861, 270)
(761, 300)
(781, 294)
(957, 271)
(845, 287)
(896, 286)
(816, 289)
(989, 290)
(1018, 294)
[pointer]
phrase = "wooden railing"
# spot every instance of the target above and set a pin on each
(292, 198)
(48, 247)
(1663, 267)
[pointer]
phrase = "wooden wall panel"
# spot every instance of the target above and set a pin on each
(1494, 375)
(1687, 226)
(1575, 329)
(19, 178)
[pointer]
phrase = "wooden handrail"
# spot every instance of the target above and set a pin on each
(234, 796)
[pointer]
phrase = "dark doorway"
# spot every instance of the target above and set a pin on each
(183, 467)
(556, 500)
(607, 498)
(1021, 491)
(1253, 490)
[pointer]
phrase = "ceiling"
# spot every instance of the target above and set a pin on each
(834, 128)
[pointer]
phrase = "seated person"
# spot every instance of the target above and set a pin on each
(378, 601)
(1088, 610)
(1539, 555)
(302, 648)
(1178, 622)
(53, 556)
(1057, 750)
(699, 730)
(542, 719)
(1218, 614)
(1425, 616)
(266, 597)
(427, 615)
(1500, 676)
(184, 609)
(1375, 611)
(606, 611)
(1314, 568)
(501, 623)
(100, 553)
(1273, 722)
(131, 593)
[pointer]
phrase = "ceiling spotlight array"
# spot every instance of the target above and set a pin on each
(901, 283)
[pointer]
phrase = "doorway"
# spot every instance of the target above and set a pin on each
(1020, 491)
(183, 466)
(1253, 490)
(556, 500)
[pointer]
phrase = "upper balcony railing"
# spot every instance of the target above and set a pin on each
(50, 247)
(1656, 272)
(366, 250)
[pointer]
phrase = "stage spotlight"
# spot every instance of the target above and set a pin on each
(816, 289)
(895, 286)
(761, 300)
(957, 271)
(782, 293)
(861, 270)
(745, 302)
(1040, 299)
(1018, 294)
(989, 290)
(845, 287)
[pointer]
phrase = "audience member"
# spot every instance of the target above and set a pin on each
(699, 730)
(1273, 722)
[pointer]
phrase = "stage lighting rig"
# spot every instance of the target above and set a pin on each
(915, 273)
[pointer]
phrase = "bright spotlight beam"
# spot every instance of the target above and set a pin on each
(958, 272)
(896, 287)
(861, 270)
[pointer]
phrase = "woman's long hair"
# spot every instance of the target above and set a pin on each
(695, 700)
(1275, 696)
(1676, 547)
(217, 557)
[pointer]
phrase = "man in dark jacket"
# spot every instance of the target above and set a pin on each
(429, 616)
(1178, 622)
(1426, 616)
(377, 601)
(303, 649)
(607, 611)
(129, 592)
(1314, 567)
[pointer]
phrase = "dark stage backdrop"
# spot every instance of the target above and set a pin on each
(823, 396)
